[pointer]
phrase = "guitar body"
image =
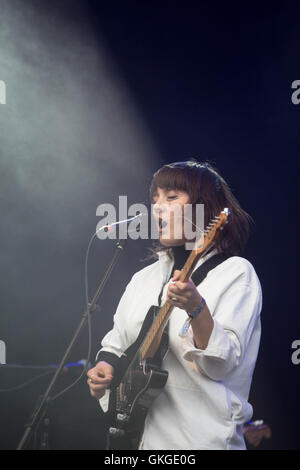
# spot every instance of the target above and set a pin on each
(132, 396)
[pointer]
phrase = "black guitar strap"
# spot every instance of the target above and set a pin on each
(200, 274)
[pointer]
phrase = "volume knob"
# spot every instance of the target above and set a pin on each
(116, 432)
(123, 418)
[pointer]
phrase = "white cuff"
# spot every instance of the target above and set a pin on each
(104, 401)
(222, 354)
(214, 348)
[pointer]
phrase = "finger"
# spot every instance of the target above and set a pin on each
(102, 375)
(97, 391)
(183, 293)
(176, 300)
(103, 368)
(98, 387)
(175, 293)
(97, 395)
(100, 371)
(172, 290)
(176, 275)
(100, 380)
(179, 287)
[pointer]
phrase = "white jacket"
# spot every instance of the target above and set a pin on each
(205, 401)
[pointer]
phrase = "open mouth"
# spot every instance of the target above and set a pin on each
(162, 224)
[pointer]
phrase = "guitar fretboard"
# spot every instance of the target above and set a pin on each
(147, 347)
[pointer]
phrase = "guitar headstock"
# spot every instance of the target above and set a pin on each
(211, 231)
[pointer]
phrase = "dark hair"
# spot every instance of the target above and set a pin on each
(205, 186)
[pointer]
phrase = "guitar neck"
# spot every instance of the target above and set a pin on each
(152, 340)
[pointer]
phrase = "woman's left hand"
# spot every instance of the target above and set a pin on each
(183, 295)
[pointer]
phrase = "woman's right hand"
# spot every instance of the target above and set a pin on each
(99, 379)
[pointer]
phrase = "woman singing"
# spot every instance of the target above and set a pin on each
(204, 403)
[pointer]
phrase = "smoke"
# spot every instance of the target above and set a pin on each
(71, 137)
(68, 124)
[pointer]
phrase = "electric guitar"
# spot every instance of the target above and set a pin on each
(140, 377)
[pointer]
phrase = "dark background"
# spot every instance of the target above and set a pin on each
(99, 96)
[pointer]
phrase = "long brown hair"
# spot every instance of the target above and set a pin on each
(205, 186)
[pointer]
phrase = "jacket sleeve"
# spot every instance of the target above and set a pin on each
(236, 320)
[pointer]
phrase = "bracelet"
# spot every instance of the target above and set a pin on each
(198, 309)
(191, 316)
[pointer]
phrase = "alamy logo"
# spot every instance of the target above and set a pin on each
(296, 94)
(2, 352)
(296, 354)
(2, 92)
(166, 221)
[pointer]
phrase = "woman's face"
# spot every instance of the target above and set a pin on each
(168, 206)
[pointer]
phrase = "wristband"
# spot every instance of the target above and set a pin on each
(198, 309)
(191, 316)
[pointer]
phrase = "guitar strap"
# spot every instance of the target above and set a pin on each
(200, 274)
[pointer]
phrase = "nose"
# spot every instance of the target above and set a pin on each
(159, 208)
(156, 208)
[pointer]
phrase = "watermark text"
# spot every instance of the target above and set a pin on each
(164, 222)
(2, 352)
(296, 354)
(2, 92)
(296, 94)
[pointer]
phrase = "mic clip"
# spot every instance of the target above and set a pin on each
(93, 308)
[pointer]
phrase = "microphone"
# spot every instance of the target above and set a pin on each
(109, 227)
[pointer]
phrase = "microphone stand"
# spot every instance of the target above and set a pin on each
(91, 307)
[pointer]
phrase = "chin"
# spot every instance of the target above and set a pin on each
(171, 242)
